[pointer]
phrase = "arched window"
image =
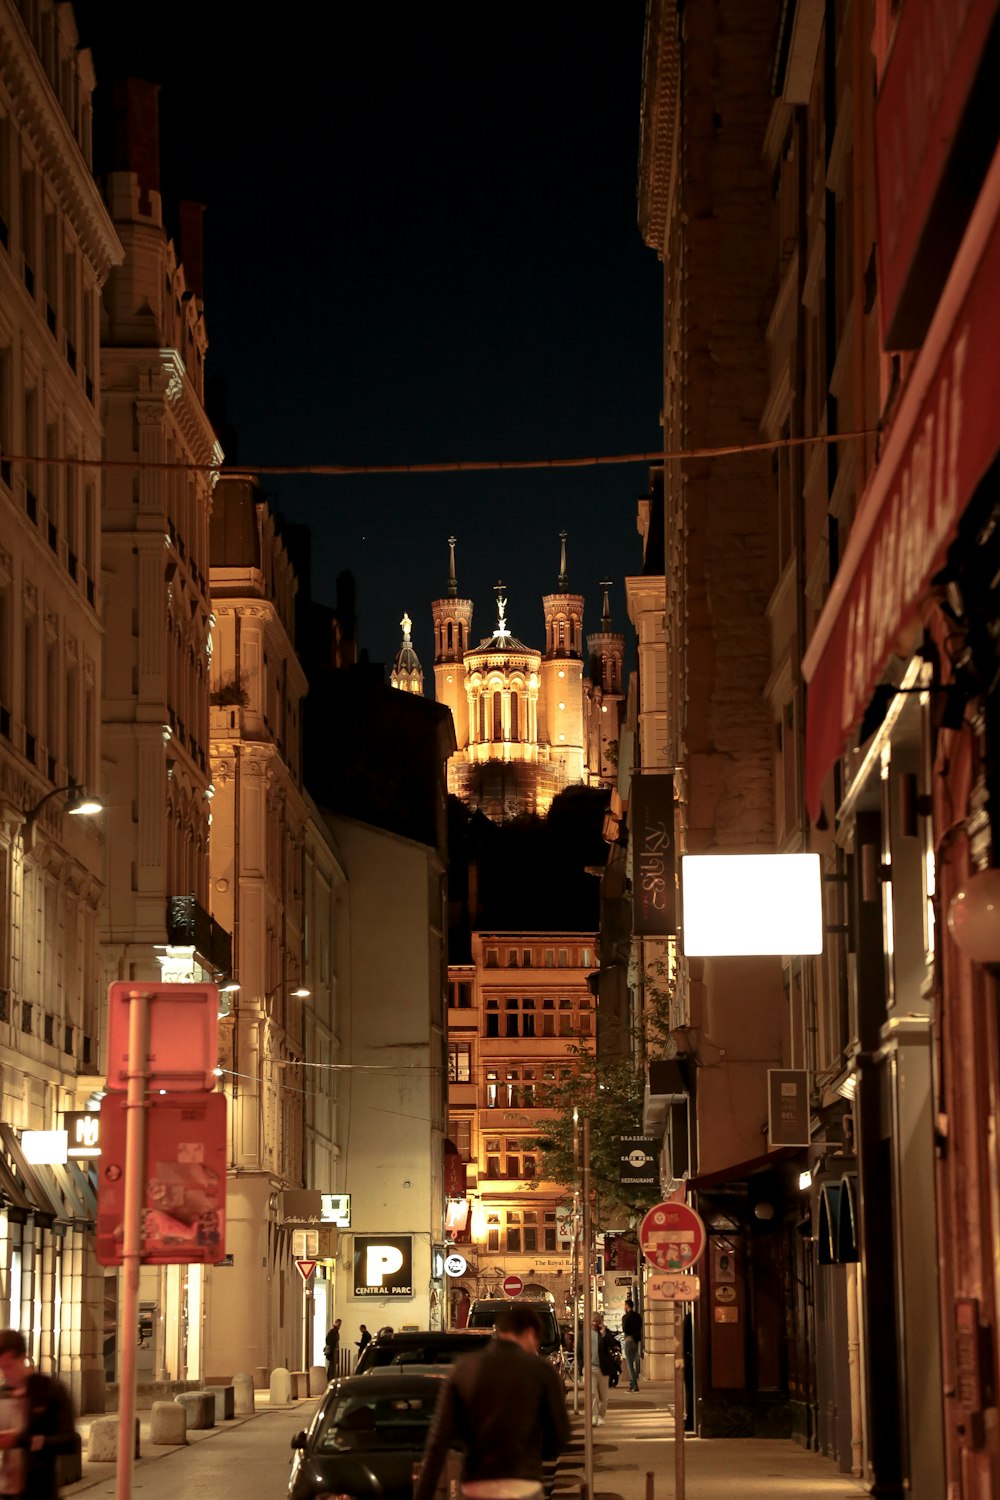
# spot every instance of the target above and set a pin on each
(449, 634)
(497, 717)
(572, 631)
(482, 718)
(514, 716)
(562, 634)
(460, 629)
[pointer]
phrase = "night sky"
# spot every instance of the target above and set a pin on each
(421, 245)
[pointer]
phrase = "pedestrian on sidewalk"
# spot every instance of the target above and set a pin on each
(362, 1343)
(507, 1409)
(331, 1350)
(36, 1423)
(602, 1364)
(632, 1340)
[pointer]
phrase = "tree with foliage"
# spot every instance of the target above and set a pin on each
(609, 1091)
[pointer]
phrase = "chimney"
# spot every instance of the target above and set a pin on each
(192, 244)
(135, 143)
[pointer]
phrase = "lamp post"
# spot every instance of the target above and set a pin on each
(78, 804)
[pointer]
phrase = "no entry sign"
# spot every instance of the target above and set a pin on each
(672, 1237)
(513, 1286)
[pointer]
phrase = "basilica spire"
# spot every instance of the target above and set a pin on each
(452, 580)
(563, 572)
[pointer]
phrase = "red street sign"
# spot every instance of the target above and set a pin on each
(183, 1034)
(184, 1180)
(672, 1237)
(305, 1268)
(513, 1286)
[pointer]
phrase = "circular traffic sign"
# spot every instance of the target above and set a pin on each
(456, 1265)
(513, 1286)
(672, 1236)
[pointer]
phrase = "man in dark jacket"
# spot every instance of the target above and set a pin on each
(42, 1425)
(632, 1339)
(331, 1350)
(506, 1407)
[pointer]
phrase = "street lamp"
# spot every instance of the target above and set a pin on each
(78, 804)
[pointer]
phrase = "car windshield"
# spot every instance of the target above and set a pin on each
(418, 1354)
(484, 1315)
(356, 1424)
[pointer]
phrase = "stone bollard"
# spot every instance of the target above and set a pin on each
(225, 1402)
(317, 1380)
(243, 1397)
(102, 1447)
(281, 1386)
(167, 1423)
(200, 1408)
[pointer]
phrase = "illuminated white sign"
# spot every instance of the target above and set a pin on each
(44, 1148)
(84, 1130)
(336, 1209)
(745, 905)
(456, 1265)
(383, 1265)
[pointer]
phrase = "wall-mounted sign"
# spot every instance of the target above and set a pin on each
(306, 1208)
(651, 835)
(638, 1161)
(83, 1130)
(336, 1209)
(44, 1148)
(305, 1244)
(455, 1265)
(787, 1107)
(383, 1265)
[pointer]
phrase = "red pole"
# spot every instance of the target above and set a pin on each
(136, 1104)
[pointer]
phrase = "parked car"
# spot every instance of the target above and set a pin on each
(483, 1314)
(427, 1348)
(365, 1438)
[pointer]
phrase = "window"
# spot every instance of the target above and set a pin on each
(530, 1233)
(459, 1062)
(512, 958)
(563, 958)
(492, 1158)
(526, 958)
(550, 957)
(585, 958)
(491, 958)
(492, 1018)
(492, 1090)
(493, 1232)
(460, 1135)
(550, 1231)
(513, 1231)
(512, 1019)
(460, 994)
(548, 1019)
(514, 730)
(497, 717)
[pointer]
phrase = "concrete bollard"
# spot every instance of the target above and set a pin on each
(167, 1423)
(317, 1380)
(102, 1447)
(243, 1397)
(200, 1409)
(225, 1402)
(281, 1386)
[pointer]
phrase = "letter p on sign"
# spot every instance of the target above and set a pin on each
(381, 1261)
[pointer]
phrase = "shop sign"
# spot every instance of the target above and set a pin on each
(787, 1107)
(651, 837)
(940, 446)
(638, 1161)
(383, 1265)
(302, 1208)
(675, 1287)
(455, 1265)
(83, 1132)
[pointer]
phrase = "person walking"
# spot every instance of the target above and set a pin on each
(506, 1407)
(331, 1350)
(36, 1423)
(602, 1363)
(632, 1339)
(362, 1343)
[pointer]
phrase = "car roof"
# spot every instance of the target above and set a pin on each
(406, 1379)
(421, 1335)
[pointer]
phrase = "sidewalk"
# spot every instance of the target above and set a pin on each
(636, 1439)
(94, 1474)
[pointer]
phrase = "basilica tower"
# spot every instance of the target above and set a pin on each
(452, 627)
(605, 697)
(407, 674)
(560, 699)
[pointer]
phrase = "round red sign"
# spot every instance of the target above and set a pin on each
(513, 1286)
(672, 1237)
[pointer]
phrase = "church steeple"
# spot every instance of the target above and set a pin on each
(563, 573)
(452, 632)
(606, 609)
(407, 673)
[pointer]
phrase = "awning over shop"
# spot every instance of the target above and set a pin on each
(946, 434)
(52, 1194)
(740, 1171)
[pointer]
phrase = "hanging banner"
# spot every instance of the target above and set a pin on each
(651, 834)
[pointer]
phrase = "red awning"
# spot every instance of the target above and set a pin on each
(945, 436)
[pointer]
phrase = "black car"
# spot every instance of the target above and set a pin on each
(421, 1347)
(366, 1438)
(483, 1314)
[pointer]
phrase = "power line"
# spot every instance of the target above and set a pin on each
(456, 466)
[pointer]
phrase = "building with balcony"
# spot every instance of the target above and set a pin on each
(517, 1016)
(57, 248)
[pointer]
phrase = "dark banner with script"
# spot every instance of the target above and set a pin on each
(651, 829)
